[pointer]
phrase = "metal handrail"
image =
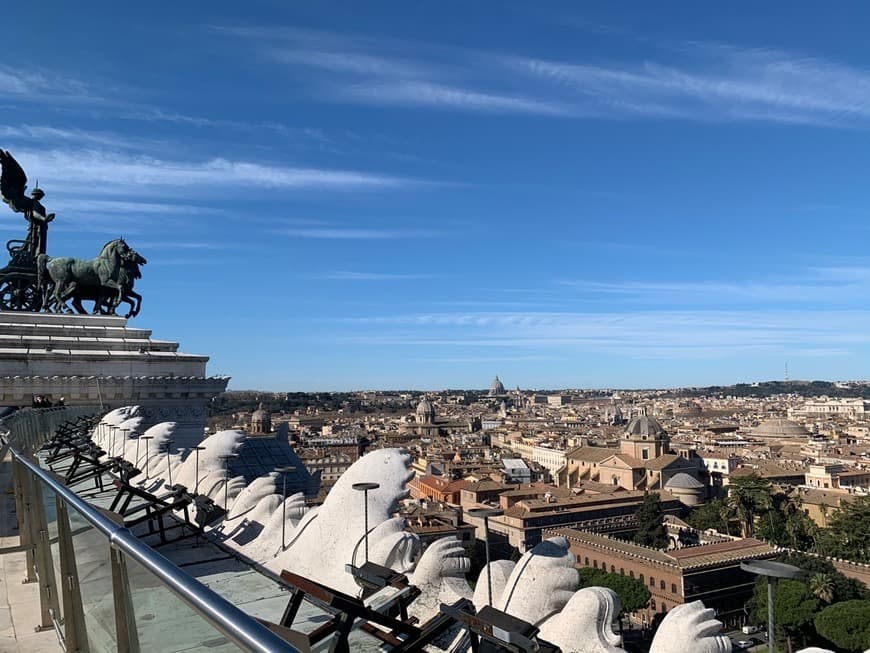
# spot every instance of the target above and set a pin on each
(242, 629)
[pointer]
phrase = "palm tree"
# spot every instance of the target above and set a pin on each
(748, 495)
(822, 587)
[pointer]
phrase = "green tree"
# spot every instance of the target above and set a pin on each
(713, 514)
(748, 496)
(794, 607)
(650, 527)
(822, 587)
(844, 589)
(848, 532)
(783, 523)
(633, 595)
(846, 625)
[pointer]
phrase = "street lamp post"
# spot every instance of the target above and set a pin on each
(147, 466)
(169, 460)
(364, 488)
(197, 449)
(486, 513)
(770, 570)
(125, 433)
(284, 471)
(227, 458)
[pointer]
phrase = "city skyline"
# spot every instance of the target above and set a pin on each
(340, 197)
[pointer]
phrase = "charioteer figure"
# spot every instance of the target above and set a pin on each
(13, 187)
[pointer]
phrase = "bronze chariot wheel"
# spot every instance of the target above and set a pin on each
(18, 292)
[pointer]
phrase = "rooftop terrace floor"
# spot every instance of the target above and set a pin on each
(164, 623)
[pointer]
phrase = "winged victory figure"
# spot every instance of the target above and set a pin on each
(13, 187)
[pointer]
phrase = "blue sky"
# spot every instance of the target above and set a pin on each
(342, 195)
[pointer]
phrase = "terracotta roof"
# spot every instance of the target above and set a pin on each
(486, 485)
(438, 482)
(685, 558)
(666, 460)
(591, 454)
(631, 461)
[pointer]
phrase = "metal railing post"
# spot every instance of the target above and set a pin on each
(238, 627)
(48, 595)
(26, 531)
(75, 628)
(125, 619)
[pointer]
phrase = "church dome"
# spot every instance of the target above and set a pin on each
(496, 387)
(683, 481)
(780, 428)
(261, 420)
(260, 414)
(644, 426)
(425, 411)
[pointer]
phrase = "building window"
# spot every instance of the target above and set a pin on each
(621, 571)
(673, 588)
(644, 454)
(587, 561)
(631, 573)
(641, 578)
(652, 605)
(612, 569)
(595, 564)
(652, 582)
(662, 585)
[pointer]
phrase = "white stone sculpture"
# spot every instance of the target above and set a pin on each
(331, 536)
(541, 583)
(690, 623)
(584, 624)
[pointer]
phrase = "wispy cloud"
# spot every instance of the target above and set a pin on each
(38, 85)
(813, 285)
(697, 81)
(352, 275)
(682, 333)
(111, 171)
(422, 93)
(392, 73)
(345, 233)
(714, 82)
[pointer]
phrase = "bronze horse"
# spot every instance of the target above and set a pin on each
(107, 280)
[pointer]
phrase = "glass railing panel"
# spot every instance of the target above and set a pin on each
(165, 623)
(49, 501)
(91, 548)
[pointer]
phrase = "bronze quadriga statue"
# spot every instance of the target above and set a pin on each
(33, 281)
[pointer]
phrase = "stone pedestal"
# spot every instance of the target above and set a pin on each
(99, 360)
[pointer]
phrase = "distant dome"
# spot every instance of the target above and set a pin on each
(644, 426)
(683, 481)
(780, 428)
(260, 414)
(496, 387)
(261, 420)
(425, 411)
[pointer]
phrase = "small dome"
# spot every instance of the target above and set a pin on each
(260, 414)
(779, 428)
(496, 387)
(425, 411)
(644, 426)
(683, 481)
